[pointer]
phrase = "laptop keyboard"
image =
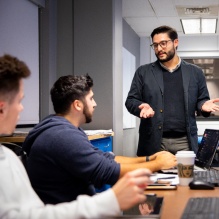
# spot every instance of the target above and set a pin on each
(210, 176)
(201, 208)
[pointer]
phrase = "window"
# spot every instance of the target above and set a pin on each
(210, 67)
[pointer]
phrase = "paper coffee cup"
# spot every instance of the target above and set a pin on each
(185, 166)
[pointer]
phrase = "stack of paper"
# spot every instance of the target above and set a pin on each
(172, 179)
(98, 132)
(163, 181)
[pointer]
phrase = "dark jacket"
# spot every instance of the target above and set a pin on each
(147, 87)
(62, 163)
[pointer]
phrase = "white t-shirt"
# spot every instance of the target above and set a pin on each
(19, 201)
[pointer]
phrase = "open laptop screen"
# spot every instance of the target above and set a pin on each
(207, 148)
(151, 208)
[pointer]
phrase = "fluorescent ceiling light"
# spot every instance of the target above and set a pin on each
(208, 25)
(199, 25)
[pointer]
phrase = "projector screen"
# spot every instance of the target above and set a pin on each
(19, 37)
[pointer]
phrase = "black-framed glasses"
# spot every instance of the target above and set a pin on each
(162, 44)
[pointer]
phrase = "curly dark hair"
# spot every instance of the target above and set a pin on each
(12, 70)
(67, 89)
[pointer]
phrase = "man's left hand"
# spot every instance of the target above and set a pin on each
(210, 106)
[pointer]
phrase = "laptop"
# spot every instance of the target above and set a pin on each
(203, 169)
(207, 149)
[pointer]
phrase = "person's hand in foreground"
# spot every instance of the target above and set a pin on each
(129, 190)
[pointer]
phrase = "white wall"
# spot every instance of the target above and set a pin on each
(202, 125)
(131, 42)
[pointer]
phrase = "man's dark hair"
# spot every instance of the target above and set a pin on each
(12, 70)
(165, 29)
(67, 89)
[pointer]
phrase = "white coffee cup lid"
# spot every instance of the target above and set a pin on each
(185, 155)
(185, 152)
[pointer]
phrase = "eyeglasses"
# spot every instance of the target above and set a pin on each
(162, 44)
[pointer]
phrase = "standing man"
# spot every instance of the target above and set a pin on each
(165, 95)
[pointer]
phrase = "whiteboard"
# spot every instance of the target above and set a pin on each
(129, 67)
(19, 37)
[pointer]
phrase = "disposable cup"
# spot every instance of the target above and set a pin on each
(185, 166)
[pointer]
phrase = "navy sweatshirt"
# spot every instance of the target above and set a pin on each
(62, 163)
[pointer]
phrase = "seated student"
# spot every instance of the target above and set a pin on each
(18, 199)
(62, 163)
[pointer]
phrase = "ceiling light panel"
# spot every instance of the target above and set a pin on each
(191, 26)
(199, 25)
(208, 25)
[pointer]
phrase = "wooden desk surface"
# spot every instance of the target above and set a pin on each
(21, 138)
(175, 200)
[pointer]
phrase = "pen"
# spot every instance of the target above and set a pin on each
(159, 184)
(170, 177)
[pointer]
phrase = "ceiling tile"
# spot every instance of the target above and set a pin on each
(137, 8)
(145, 15)
(164, 7)
(143, 24)
(172, 22)
(196, 3)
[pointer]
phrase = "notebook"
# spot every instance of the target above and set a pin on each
(207, 149)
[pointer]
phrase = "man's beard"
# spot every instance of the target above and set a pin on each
(169, 54)
(87, 114)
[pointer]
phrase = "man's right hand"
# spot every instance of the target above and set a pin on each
(146, 111)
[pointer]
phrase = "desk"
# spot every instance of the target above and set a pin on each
(175, 200)
(19, 138)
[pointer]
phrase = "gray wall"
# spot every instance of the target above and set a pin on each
(48, 54)
(131, 42)
(65, 37)
(56, 48)
(98, 51)
(93, 54)
(87, 37)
